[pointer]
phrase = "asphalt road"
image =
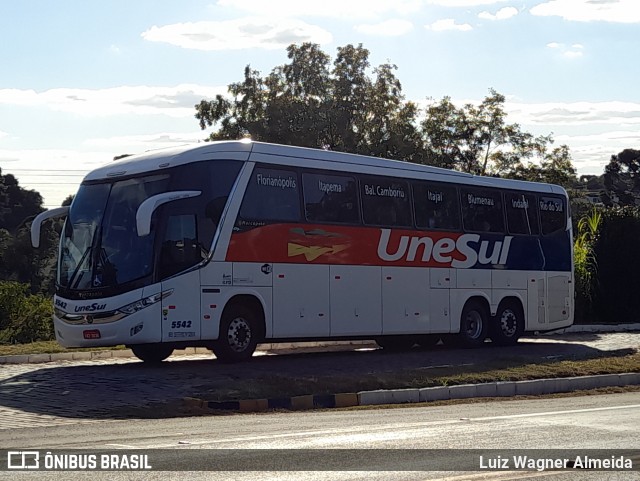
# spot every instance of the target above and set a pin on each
(571, 425)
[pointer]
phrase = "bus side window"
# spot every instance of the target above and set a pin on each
(482, 210)
(553, 214)
(271, 196)
(522, 216)
(330, 198)
(385, 202)
(436, 206)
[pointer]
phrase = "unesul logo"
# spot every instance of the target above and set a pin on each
(462, 252)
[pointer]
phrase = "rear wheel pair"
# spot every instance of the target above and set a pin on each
(476, 324)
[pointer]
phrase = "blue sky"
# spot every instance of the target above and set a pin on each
(83, 81)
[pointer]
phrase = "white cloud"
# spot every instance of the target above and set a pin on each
(388, 28)
(3, 134)
(502, 14)
(175, 101)
(326, 8)
(574, 51)
(238, 34)
(463, 3)
(141, 143)
(621, 11)
(448, 24)
(575, 113)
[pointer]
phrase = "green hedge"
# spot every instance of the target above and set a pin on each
(24, 317)
(616, 292)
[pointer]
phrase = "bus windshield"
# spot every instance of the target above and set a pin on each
(100, 246)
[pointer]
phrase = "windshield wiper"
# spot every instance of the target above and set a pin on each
(97, 238)
(77, 269)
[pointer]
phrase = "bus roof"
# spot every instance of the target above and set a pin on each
(244, 150)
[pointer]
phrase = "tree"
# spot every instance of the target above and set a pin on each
(555, 167)
(16, 203)
(308, 102)
(622, 178)
(477, 139)
(18, 260)
(312, 103)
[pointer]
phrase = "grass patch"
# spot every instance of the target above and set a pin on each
(286, 385)
(44, 347)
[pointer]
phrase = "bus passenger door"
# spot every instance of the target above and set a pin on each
(356, 308)
(181, 309)
(300, 300)
(180, 251)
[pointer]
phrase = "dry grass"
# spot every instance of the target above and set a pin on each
(288, 385)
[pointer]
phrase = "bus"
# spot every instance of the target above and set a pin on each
(229, 244)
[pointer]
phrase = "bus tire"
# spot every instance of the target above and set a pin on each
(474, 322)
(508, 324)
(239, 334)
(152, 353)
(396, 343)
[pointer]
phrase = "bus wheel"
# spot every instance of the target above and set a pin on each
(473, 325)
(152, 353)
(238, 335)
(508, 325)
(396, 343)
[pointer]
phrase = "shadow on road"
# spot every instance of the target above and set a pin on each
(116, 390)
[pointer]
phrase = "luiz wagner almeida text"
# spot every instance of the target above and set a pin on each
(543, 464)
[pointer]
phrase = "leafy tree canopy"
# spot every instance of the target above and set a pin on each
(346, 105)
(622, 178)
(16, 203)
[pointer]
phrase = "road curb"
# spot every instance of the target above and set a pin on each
(293, 403)
(534, 387)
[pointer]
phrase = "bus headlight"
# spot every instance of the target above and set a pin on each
(144, 303)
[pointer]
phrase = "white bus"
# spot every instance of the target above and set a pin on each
(229, 244)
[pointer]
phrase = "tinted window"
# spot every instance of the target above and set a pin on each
(482, 210)
(180, 248)
(215, 180)
(190, 224)
(436, 206)
(385, 202)
(272, 195)
(552, 214)
(522, 217)
(330, 198)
